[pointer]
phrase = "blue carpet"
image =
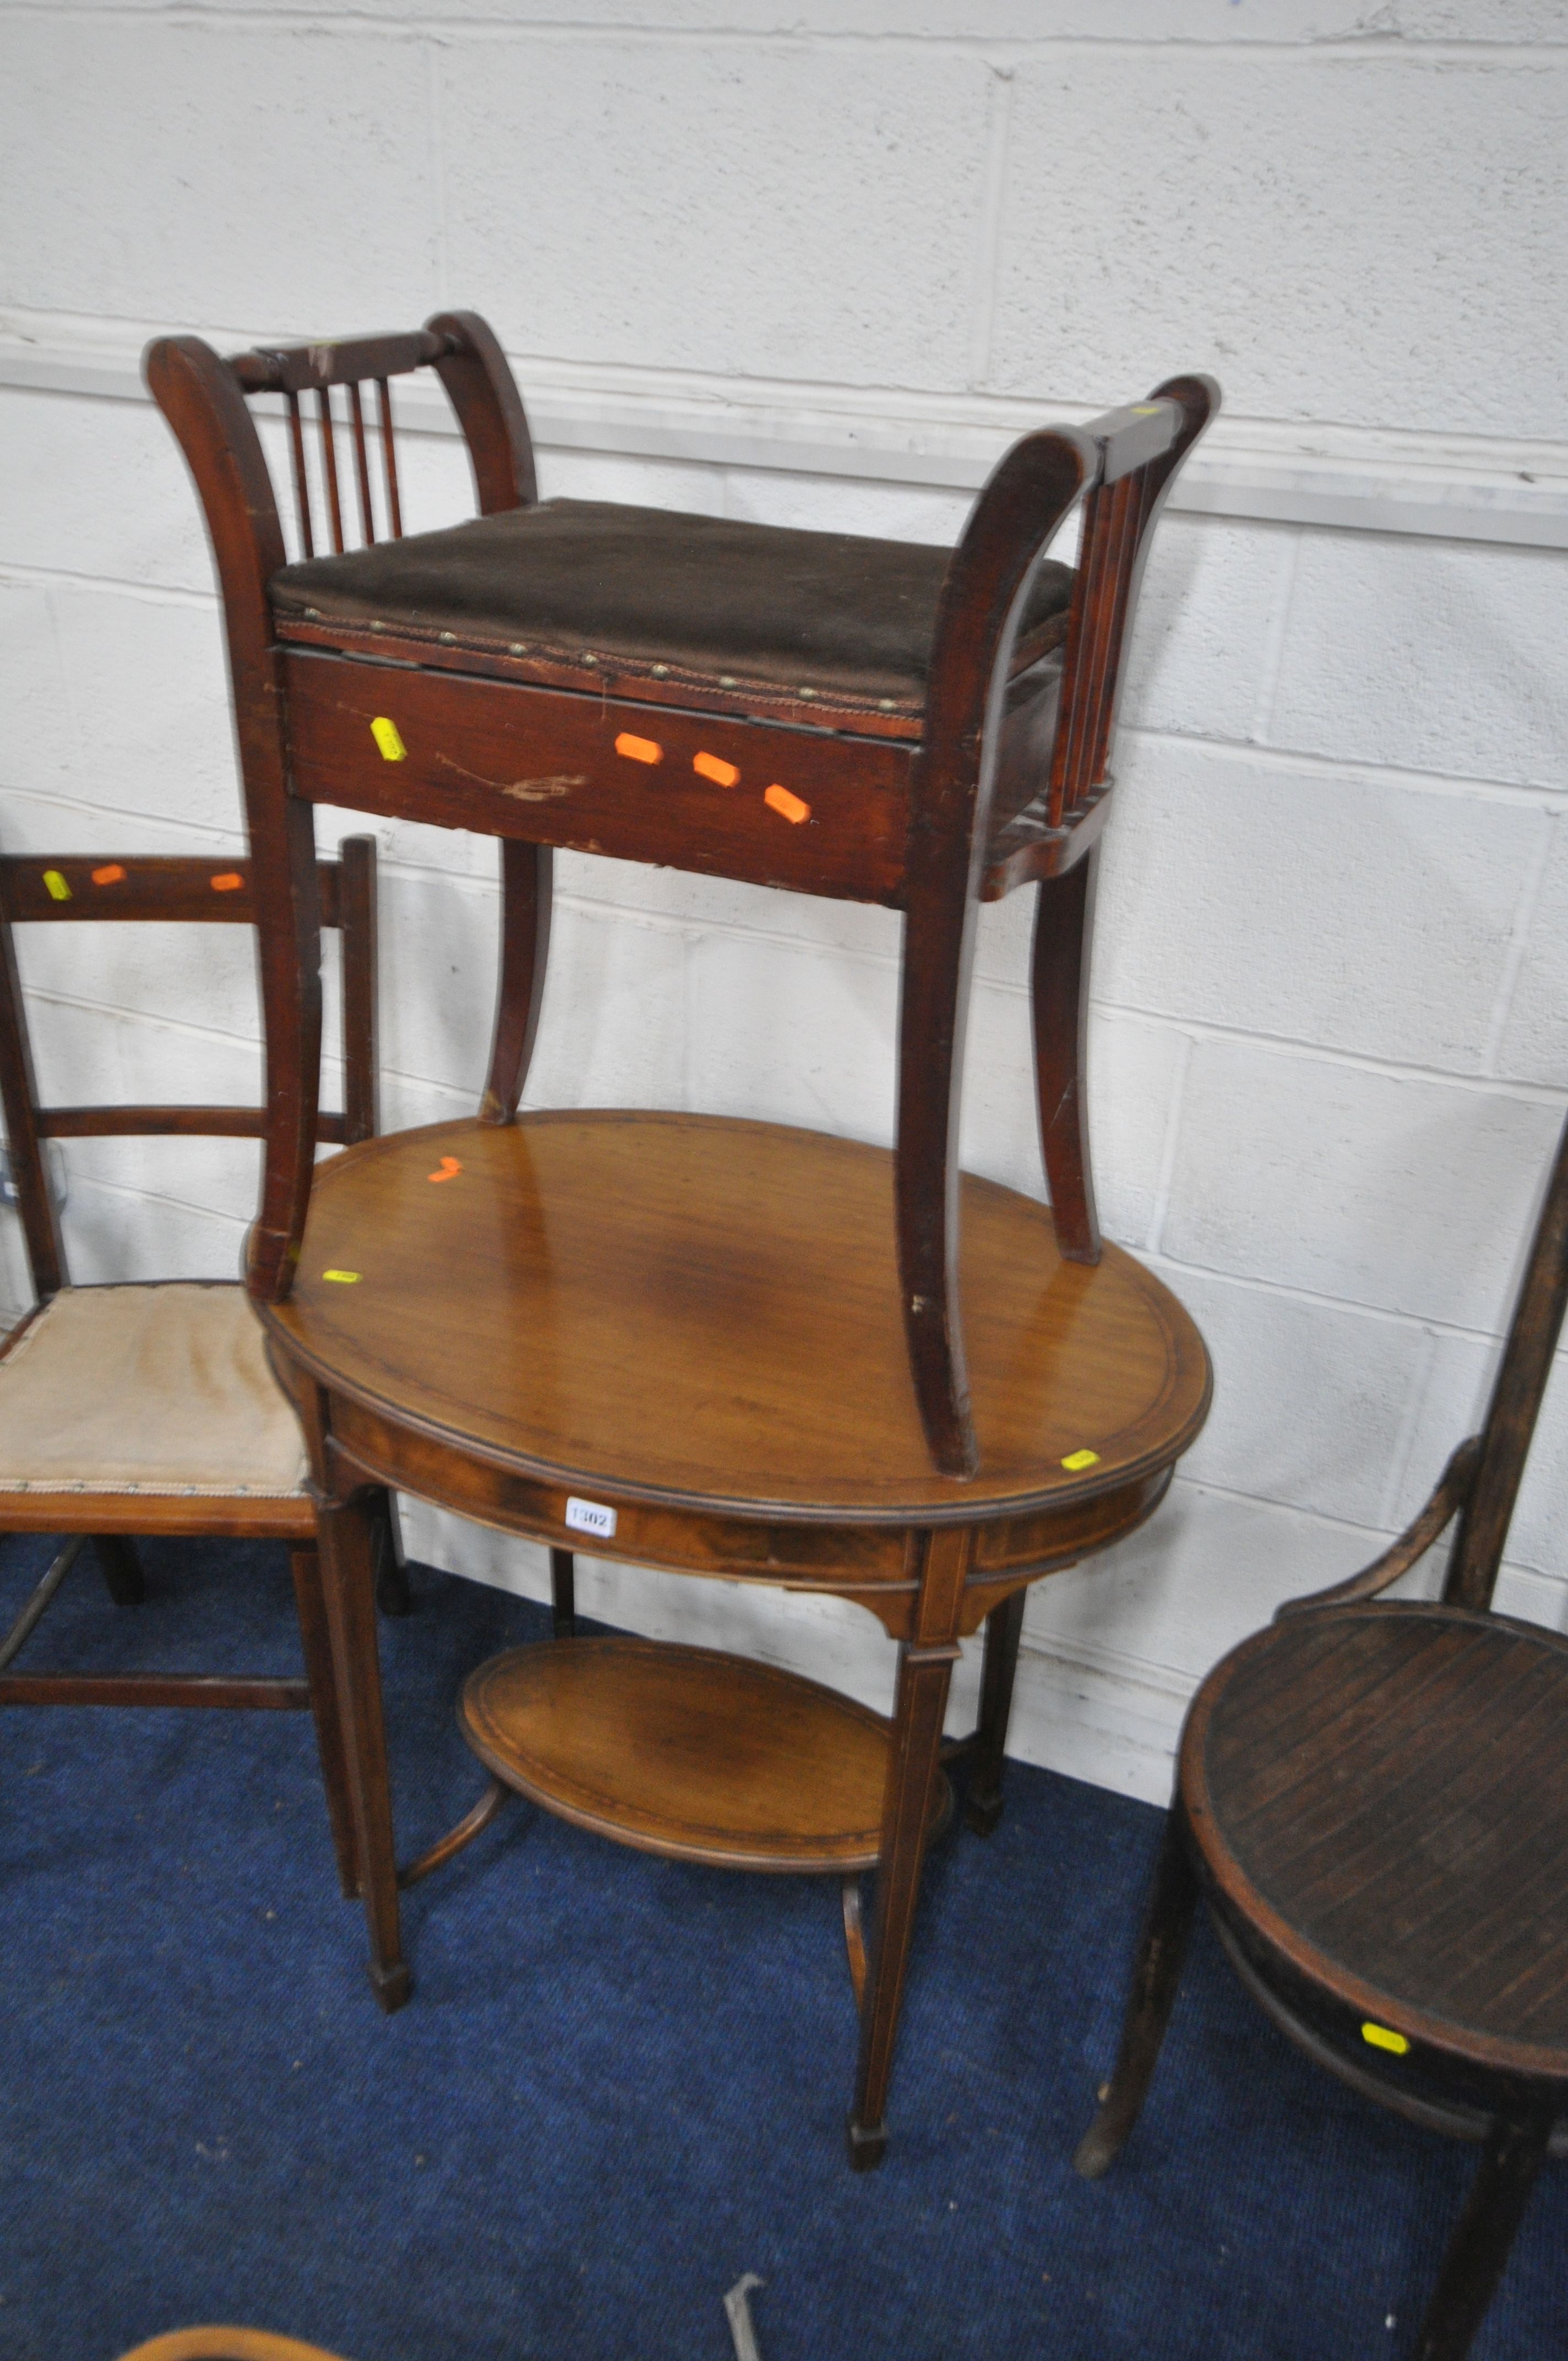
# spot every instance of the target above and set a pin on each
(622, 2082)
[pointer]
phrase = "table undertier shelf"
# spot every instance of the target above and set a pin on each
(687, 1752)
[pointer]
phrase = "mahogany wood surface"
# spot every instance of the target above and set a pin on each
(685, 1752)
(710, 1322)
(220, 2344)
(1371, 1796)
(688, 1323)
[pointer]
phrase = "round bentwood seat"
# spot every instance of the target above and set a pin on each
(1380, 1793)
(702, 1315)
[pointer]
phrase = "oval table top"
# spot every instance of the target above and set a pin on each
(703, 1312)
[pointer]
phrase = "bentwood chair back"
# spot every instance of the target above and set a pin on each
(151, 1407)
(867, 719)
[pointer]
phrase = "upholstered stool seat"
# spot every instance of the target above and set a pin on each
(651, 602)
(163, 1391)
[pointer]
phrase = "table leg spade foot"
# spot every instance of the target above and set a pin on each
(868, 2145)
(392, 1986)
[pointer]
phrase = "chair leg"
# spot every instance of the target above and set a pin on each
(1161, 1950)
(1064, 927)
(315, 1644)
(564, 1594)
(1485, 2233)
(924, 1675)
(527, 873)
(933, 1013)
(983, 1803)
(120, 1567)
(346, 1530)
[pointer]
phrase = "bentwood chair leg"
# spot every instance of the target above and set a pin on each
(982, 1805)
(1485, 2233)
(348, 1569)
(1064, 926)
(564, 1594)
(924, 1675)
(316, 1646)
(120, 1567)
(1161, 1950)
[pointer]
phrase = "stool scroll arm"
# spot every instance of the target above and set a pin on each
(200, 396)
(482, 391)
(982, 598)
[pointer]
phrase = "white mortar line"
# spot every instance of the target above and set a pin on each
(436, 129)
(1284, 1045)
(152, 1020)
(1347, 770)
(81, 1180)
(1518, 942)
(1318, 1517)
(64, 671)
(1370, 48)
(988, 257)
(1168, 1144)
(1169, 1266)
(63, 578)
(1274, 645)
(1410, 1424)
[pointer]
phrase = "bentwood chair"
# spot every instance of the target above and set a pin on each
(151, 1407)
(1373, 1800)
(867, 719)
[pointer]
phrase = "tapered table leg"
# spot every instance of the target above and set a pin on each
(316, 1646)
(347, 1536)
(1004, 1626)
(924, 1675)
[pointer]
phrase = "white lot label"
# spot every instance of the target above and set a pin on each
(590, 1516)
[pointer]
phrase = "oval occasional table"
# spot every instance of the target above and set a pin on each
(679, 1337)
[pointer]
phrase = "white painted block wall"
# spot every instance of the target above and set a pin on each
(814, 265)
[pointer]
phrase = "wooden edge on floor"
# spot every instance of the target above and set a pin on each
(225, 2345)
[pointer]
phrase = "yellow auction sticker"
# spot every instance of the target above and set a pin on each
(1381, 2037)
(1077, 1460)
(385, 733)
(344, 1278)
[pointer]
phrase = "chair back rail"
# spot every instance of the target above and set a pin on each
(1480, 1483)
(64, 889)
(460, 347)
(1517, 1396)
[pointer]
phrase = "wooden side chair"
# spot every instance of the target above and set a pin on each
(152, 1409)
(860, 718)
(1373, 1800)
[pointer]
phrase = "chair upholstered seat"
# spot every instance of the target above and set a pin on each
(162, 1390)
(718, 607)
(1417, 1755)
